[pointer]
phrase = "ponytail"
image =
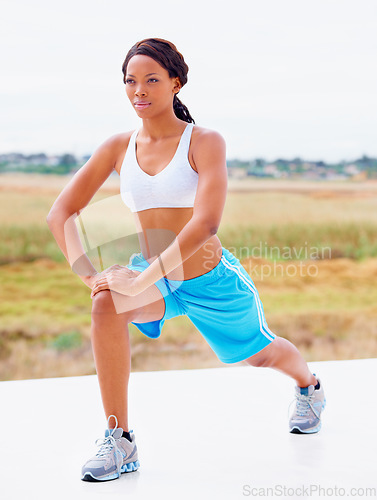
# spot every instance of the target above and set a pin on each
(181, 110)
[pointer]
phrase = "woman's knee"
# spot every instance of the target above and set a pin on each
(265, 357)
(103, 302)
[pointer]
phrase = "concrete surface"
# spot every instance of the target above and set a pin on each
(219, 433)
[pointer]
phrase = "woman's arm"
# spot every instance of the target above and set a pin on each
(74, 197)
(210, 160)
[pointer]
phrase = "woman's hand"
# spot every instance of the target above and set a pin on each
(117, 278)
(89, 280)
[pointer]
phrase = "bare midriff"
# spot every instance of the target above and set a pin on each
(158, 227)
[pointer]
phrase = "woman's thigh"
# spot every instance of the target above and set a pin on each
(142, 308)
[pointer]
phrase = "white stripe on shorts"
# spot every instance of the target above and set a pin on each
(262, 320)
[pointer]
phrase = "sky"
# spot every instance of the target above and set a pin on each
(276, 78)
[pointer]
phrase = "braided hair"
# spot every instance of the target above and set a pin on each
(167, 55)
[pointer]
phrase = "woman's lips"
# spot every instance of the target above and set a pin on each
(142, 105)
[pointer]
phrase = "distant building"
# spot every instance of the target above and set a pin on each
(352, 169)
(236, 172)
(271, 169)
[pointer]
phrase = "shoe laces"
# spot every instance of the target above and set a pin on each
(108, 443)
(303, 404)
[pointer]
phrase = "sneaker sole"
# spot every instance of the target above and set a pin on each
(131, 467)
(297, 430)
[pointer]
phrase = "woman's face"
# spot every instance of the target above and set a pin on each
(147, 81)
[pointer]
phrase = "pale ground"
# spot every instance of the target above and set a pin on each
(206, 434)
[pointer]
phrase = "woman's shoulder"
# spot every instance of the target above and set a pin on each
(121, 139)
(118, 143)
(204, 138)
(204, 131)
(206, 135)
(204, 143)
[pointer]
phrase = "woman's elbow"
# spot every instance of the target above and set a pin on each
(52, 217)
(205, 226)
(209, 230)
(49, 219)
(56, 217)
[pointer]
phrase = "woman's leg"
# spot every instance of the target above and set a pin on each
(111, 346)
(283, 356)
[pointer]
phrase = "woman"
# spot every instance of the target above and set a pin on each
(173, 177)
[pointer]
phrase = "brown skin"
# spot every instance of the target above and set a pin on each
(156, 144)
(200, 248)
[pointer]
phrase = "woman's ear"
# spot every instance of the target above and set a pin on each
(177, 86)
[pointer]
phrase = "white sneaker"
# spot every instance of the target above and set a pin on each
(115, 456)
(306, 418)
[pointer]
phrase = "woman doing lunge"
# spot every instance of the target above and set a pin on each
(173, 177)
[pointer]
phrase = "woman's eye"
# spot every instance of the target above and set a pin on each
(150, 79)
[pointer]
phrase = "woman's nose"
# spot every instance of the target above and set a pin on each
(140, 92)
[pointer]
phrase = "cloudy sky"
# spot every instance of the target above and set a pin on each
(277, 78)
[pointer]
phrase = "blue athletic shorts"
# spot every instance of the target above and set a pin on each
(223, 304)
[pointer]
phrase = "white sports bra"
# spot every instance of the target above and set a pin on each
(174, 186)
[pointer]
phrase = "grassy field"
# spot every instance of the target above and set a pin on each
(310, 248)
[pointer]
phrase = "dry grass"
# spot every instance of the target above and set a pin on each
(328, 313)
(330, 316)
